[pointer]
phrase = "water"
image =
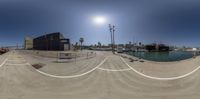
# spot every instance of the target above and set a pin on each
(163, 56)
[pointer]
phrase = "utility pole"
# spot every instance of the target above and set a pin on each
(113, 36)
(112, 32)
(110, 28)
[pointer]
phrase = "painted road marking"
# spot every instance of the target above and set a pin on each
(17, 64)
(73, 76)
(3, 62)
(158, 78)
(11, 60)
(7, 60)
(113, 70)
(97, 67)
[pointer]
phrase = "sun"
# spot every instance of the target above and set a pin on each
(99, 20)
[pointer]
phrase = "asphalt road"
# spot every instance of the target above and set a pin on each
(109, 79)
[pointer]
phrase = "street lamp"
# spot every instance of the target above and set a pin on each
(112, 32)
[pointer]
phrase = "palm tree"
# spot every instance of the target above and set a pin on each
(76, 46)
(81, 40)
(99, 44)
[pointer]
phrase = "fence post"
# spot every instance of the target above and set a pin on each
(87, 55)
(57, 57)
(75, 57)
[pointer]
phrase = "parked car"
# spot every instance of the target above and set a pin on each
(3, 50)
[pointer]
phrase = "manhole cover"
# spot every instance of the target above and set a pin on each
(38, 65)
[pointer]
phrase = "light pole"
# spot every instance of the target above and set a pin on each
(110, 28)
(112, 32)
(113, 36)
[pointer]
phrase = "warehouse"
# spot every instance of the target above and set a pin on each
(53, 41)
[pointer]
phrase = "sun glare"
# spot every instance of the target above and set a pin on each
(99, 20)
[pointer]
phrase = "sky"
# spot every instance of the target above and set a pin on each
(172, 22)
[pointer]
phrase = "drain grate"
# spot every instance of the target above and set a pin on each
(38, 65)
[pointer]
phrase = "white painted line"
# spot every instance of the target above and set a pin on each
(73, 76)
(16, 57)
(114, 70)
(158, 78)
(3, 62)
(9, 60)
(18, 64)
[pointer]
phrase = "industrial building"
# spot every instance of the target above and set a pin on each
(28, 43)
(157, 47)
(52, 42)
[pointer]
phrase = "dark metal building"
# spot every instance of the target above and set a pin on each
(52, 41)
(157, 47)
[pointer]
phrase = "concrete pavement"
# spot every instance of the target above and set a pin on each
(19, 80)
